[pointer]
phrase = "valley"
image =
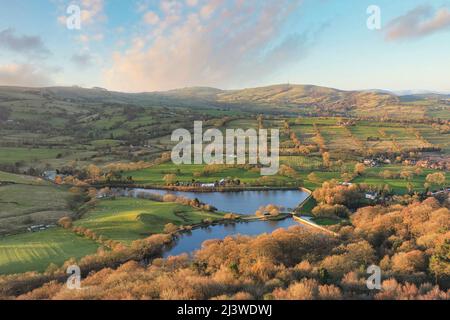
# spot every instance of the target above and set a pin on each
(64, 153)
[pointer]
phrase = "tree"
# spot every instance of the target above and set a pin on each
(170, 178)
(287, 171)
(408, 262)
(313, 178)
(58, 180)
(405, 174)
(347, 177)
(274, 212)
(440, 261)
(437, 178)
(170, 228)
(410, 187)
(306, 289)
(259, 213)
(169, 197)
(360, 168)
(326, 159)
(93, 171)
(331, 211)
(65, 222)
(332, 193)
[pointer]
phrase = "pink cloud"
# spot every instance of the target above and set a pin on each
(151, 18)
(234, 43)
(24, 75)
(421, 21)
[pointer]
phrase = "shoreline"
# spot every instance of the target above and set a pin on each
(249, 218)
(200, 189)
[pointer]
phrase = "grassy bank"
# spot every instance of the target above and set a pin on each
(36, 251)
(128, 219)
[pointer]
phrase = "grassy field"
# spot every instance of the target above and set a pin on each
(128, 219)
(7, 177)
(13, 155)
(185, 173)
(36, 251)
(325, 221)
(338, 139)
(398, 185)
(434, 137)
(123, 219)
(24, 205)
(308, 206)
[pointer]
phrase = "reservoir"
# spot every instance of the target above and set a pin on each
(241, 202)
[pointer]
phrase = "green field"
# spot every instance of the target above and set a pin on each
(433, 136)
(24, 205)
(13, 155)
(128, 219)
(372, 177)
(21, 179)
(308, 206)
(186, 173)
(325, 221)
(35, 251)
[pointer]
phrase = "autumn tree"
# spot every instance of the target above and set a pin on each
(360, 168)
(170, 179)
(170, 228)
(326, 159)
(437, 178)
(440, 261)
(65, 222)
(94, 172)
(331, 211)
(405, 174)
(408, 262)
(314, 178)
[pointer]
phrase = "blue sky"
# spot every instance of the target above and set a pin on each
(148, 45)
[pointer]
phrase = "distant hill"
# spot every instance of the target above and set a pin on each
(297, 97)
(283, 98)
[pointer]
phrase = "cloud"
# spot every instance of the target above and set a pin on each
(82, 60)
(222, 43)
(420, 22)
(151, 18)
(24, 75)
(192, 3)
(31, 45)
(85, 38)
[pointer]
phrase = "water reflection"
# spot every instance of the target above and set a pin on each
(242, 202)
(191, 241)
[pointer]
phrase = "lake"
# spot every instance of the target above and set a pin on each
(241, 202)
(192, 241)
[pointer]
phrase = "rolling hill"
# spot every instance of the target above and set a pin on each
(283, 98)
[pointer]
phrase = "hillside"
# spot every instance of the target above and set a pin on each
(307, 98)
(277, 98)
(283, 99)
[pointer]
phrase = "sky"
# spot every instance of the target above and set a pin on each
(150, 45)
